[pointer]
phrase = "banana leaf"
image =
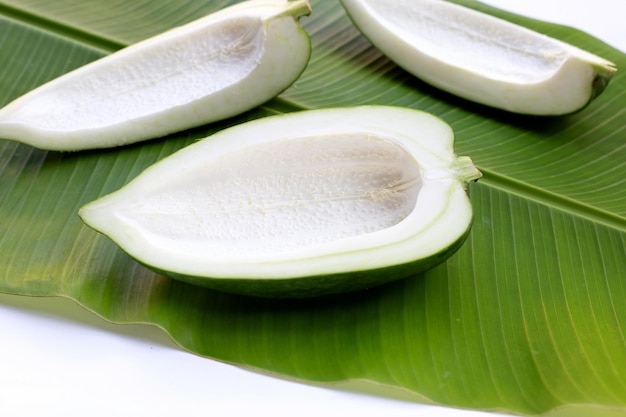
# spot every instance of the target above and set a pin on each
(528, 317)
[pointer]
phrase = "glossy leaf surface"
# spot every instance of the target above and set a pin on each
(528, 317)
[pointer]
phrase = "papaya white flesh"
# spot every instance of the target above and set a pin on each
(300, 204)
(482, 58)
(210, 69)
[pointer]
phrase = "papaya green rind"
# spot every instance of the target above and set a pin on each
(322, 285)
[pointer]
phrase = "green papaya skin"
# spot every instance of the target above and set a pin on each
(323, 285)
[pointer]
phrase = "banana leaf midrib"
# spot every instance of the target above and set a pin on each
(550, 199)
(74, 34)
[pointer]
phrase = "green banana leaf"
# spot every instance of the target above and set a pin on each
(528, 317)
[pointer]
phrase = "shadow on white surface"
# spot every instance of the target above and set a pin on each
(63, 360)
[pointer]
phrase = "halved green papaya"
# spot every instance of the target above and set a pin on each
(210, 69)
(482, 58)
(298, 205)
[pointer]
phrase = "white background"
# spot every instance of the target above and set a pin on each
(58, 359)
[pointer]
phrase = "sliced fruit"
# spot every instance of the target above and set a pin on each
(210, 69)
(482, 58)
(298, 205)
